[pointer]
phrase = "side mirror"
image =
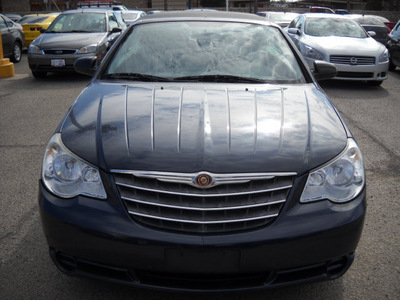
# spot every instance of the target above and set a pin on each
(86, 65)
(324, 70)
(372, 33)
(294, 31)
(116, 29)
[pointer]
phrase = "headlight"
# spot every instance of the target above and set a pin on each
(88, 49)
(66, 175)
(32, 49)
(340, 180)
(313, 53)
(384, 56)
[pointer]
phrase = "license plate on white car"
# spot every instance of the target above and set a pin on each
(58, 62)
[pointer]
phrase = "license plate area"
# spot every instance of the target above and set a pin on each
(58, 63)
(207, 260)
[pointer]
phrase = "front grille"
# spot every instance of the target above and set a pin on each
(353, 60)
(169, 201)
(355, 75)
(60, 51)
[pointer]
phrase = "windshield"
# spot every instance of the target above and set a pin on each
(334, 27)
(79, 22)
(213, 50)
(32, 19)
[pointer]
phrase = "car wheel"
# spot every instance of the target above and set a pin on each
(392, 66)
(38, 74)
(17, 53)
(375, 82)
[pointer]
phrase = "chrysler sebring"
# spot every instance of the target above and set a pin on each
(203, 156)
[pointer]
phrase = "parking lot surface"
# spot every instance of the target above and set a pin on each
(30, 110)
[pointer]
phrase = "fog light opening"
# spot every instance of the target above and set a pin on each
(336, 268)
(66, 263)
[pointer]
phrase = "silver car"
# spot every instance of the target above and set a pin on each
(343, 42)
(74, 34)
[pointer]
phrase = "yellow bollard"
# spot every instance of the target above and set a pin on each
(6, 67)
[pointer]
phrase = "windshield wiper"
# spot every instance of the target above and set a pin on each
(221, 78)
(136, 76)
(79, 31)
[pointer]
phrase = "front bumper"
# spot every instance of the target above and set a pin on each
(307, 242)
(42, 62)
(377, 72)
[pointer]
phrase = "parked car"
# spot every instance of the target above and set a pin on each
(73, 34)
(341, 11)
(203, 156)
(321, 9)
(34, 23)
(12, 37)
(13, 17)
(385, 21)
(131, 16)
(151, 12)
(372, 23)
(279, 17)
(113, 5)
(343, 42)
(393, 44)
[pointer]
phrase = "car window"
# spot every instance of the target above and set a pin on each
(120, 20)
(172, 50)
(35, 20)
(79, 22)
(112, 22)
(334, 27)
(293, 23)
(2, 23)
(130, 16)
(299, 23)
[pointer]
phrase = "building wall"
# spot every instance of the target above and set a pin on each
(15, 5)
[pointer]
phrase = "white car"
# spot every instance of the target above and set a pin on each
(343, 42)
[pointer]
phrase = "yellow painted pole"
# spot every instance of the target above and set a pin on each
(6, 67)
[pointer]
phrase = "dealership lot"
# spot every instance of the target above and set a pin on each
(31, 109)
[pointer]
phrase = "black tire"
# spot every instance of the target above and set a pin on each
(375, 82)
(17, 53)
(39, 74)
(392, 66)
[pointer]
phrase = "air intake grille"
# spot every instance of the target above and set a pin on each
(353, 60)
(167, 201)
(60, 52)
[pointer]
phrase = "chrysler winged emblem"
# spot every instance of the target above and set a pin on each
(203, 180)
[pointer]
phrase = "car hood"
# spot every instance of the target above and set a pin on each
(220, 128)
(345, 45)
(69, 40)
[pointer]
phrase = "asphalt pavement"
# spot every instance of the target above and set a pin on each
(31, 109)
